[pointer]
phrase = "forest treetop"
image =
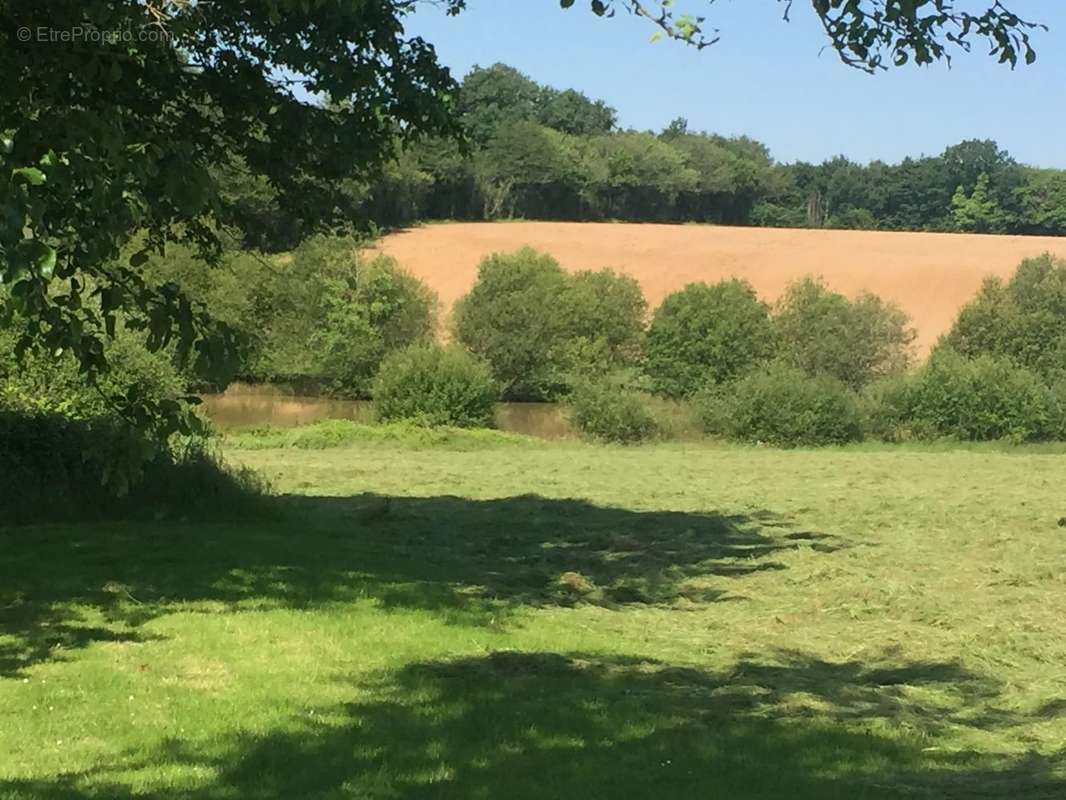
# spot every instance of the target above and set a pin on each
(524, 160)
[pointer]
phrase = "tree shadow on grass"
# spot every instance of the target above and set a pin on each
(474, 562)
(535, 725)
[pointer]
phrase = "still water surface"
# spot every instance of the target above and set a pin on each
(244, 405)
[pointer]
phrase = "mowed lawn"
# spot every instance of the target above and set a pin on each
(554, 620)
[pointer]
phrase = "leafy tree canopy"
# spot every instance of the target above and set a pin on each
(492, 97)
(114, 132)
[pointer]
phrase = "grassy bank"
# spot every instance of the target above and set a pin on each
(553, 619)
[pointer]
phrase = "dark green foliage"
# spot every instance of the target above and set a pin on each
(607, 411)
(886, 407)
(125, 137)
(55, 466)
(538, 326)
(513, 318)
(45, 384)
(526, 165)
(707, 333)
(491, 97)
(433, 386)
(854, 341)
(606, 314)
(66, 450)
(323, 315)
(333, 316)
(975, 399)
(775, 215)
(1058, 409)
(570, 111)
(543, 153)
(1024, 319)
(1042, 202)
(526, 168)
(973, 185)
(783, 406)
(859, 219)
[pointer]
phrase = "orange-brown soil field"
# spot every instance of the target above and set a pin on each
(930, 275)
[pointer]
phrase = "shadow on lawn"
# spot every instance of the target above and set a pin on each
(63, 587)
(536, 725)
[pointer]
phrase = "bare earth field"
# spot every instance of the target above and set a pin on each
(930, 275)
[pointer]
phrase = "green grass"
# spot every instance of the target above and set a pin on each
(554, 620)
(344, 433)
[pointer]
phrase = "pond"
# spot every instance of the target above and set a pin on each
(244, 405)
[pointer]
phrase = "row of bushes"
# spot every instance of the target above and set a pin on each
(325, 317)
(951, 396)
(980, 399)
(818, 369)
(545, 331)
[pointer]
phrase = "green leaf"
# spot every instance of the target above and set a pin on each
(46, 262)
(32, 175)
(33, 254)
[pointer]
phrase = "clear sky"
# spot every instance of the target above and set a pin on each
(768, 79)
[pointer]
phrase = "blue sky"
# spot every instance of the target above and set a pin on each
(767, 78)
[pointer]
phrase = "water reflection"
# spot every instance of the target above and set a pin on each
(245, 405)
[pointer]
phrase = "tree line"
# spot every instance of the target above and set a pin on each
(535, 152)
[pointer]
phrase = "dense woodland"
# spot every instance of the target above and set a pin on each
(536, 152)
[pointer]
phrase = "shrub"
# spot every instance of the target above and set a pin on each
(1058, 409)
(41, 383)
(333, 316)
(54, 466)
(857, 219)
(983, 398)
(783, 406)
(773, 215)
(1024, 319)
(323, 315)
(539, 327)
(434, 385)
(64, 451)
(886, 409)
(707, 333)
(854, 341)
(513, 318)
(604, 326)
(606, 411)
